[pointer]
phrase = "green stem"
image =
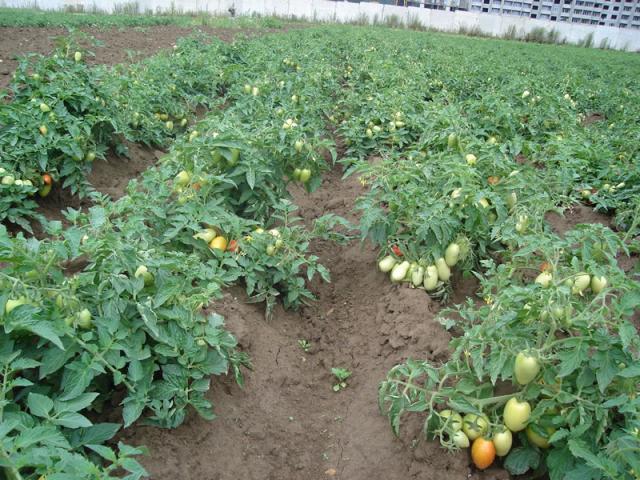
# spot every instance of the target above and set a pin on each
(11, 473)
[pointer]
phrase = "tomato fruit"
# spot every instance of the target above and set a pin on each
(233, 246)
(182, 179)
(516, 414)
(77, 56)
(503, 441)
(43, 129)
(399, 272)
(430, 281)
(90, 156)
(44, 191)
(146, 275)
(452, 254)
(598, 284)
(452, 420)
(580, 283)
(483, 453)
(537, 439)
(46, 179)
(475, 426)
(544, 279)
(12, 304)
(386, 264)
(207, 235)
(460, 439)
(218, 243)
(444, 272)
(235, 156)
(44, 108)
(84, 318)
(396, 251)
(305, 175)
(296, 174)
(526, 367)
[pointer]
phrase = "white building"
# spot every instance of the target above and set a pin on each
(612, 13)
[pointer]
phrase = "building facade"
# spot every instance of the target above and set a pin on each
(612, 13)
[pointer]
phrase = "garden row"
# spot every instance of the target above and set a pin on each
(111, 311)
(463, 160)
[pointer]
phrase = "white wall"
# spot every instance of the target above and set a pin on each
(342, 11)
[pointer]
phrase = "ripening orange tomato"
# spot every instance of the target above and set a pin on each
(46, 178)
(483, 453)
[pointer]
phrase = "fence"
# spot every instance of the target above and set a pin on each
(343, 12)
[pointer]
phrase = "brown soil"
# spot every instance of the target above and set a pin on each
(574, 216)
(287, 422)
(120, 45)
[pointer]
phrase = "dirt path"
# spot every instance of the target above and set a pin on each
(287, 423)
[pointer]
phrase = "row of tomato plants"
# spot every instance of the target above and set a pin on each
(112, 312)
(462, 169)
(60, 115)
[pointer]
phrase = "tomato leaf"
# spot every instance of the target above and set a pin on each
(522, 459)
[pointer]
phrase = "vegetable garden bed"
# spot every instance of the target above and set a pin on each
(451, 167)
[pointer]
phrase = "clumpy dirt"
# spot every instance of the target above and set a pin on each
(287, 423)
(573, 216)
(119, 45)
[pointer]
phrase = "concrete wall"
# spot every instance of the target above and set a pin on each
(342, 11)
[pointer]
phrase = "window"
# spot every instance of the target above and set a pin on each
(594, 22)
(534, 15)
(566, 10)
(623, 25)
(625, 17)
(601, 23)
(626, 9)
(613, 17)
(577, 11)
(604, 15)
(636, 18)
(535, 7)
(485, 10)
(575, 20)
(564, 19)
(615, 9)
(553, 19)
(606, 7)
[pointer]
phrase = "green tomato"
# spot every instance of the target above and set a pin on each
(235, 156)
(451, 419)
(526, 367)
(146, 275)
(182, 179)
(460, 439)
(516, 415)
(271, 250)
(296, 174)
(84, 318)
(475, 426)
(12, 304)
(305, 175)
(503, 441)
(537, 439)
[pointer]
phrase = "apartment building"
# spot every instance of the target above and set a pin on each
(613, 13)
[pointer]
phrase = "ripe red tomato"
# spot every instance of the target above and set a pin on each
(233, 246)
(396, 251)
